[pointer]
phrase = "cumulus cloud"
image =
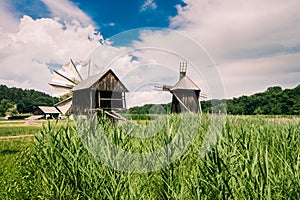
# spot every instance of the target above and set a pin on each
(7, 21)
(148, 4)
(249, 75)
(27, 55)
(68, 11)
(255, 44)
(240, 26)
(246, 38)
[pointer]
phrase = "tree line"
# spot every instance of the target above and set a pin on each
(274, 101)
(17, 100)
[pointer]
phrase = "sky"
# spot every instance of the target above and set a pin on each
(232, 47)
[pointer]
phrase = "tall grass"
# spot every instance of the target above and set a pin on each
(254, 158)
(9, 170)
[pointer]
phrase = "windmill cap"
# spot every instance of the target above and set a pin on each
(185, 84)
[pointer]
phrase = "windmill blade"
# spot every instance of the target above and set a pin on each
(204, 96)
(76, 70)
(58, 85)
(64, 106)
(88, 68)
(166, 88)
(65, 77)
(70, 71)
(59, 91)
(158, 87)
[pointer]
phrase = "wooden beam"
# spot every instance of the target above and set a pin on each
(200, 109)
(63, 76)
(76, 70)
(68, 87)
(113, 116)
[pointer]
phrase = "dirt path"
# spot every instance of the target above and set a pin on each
(15, 136)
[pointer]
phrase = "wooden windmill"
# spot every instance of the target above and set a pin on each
(103, 92)
(185, 93)
(64, 80)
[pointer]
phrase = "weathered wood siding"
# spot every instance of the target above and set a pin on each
(109, 82)
(189, 98)
(83, 101)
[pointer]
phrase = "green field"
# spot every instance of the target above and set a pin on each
(256, 157)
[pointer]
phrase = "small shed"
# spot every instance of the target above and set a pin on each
(47, 112)
(102, 92)
(185, 93)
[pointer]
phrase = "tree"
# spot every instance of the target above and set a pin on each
(7, 107)
(26, 100)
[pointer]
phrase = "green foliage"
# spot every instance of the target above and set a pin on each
(274, 101)
(65, 96)
(7, 108)
(26, 101)
(255, 158)
(10, 173)
(151, 109)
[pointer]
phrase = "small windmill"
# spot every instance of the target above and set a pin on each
(64, 80)
(185, 93)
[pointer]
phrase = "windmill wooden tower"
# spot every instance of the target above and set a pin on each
(185, 93)
(102, 92)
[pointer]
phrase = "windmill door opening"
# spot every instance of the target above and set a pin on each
(109, 100)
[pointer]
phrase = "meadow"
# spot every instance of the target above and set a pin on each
(255, 157)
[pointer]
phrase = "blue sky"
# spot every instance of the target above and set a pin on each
(254, 44)
(126, 15)
(110, 17)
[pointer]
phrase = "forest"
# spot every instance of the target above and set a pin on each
(17, 100)
(274, 101)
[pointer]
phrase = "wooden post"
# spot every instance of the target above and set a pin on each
(99, 99)
(124, 100)
(91, 99)
(200, 109)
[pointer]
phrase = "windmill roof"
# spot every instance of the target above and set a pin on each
(185, 84)
(48, 109)
(87, 83)
(90, 81)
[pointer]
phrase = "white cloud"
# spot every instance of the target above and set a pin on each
(139, 98)
(248, 76)
(255, 44)
(7, 21)
(27, 54)
(67, 11)
(148, 4)
(251, 41)
(229, 28)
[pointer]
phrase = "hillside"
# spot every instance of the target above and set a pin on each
(274, 101)
(17, 100)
